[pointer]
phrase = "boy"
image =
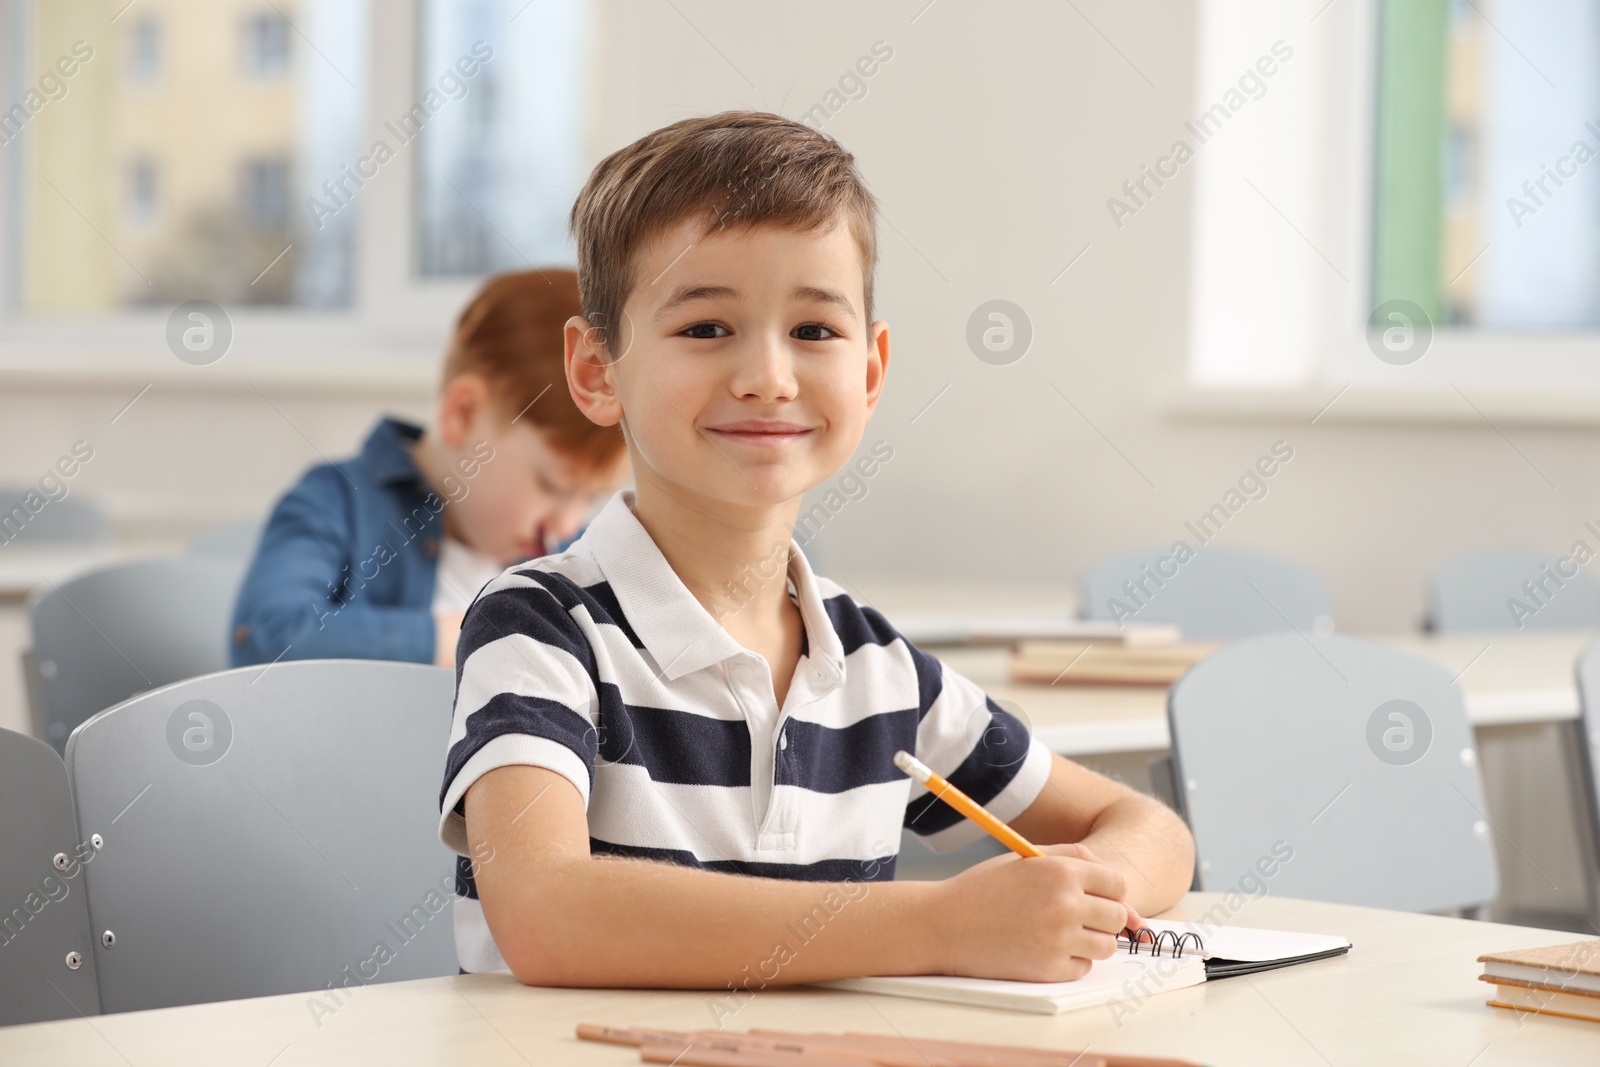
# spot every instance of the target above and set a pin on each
(672, 753)
(377, 557)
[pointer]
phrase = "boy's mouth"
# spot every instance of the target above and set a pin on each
(761, 431)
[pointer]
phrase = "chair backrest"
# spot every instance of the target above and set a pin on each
(269, 830)
(1584, 756)
(1331, 768)
(1210, 592)
(1509, 589)
(119, 630)
(76, 519)
(229, 540)
(46, 961)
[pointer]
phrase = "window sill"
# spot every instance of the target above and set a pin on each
(1365, 402)
(402, 374)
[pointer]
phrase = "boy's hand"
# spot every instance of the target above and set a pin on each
(1083, 852)
(447, 628)
(1034, 919)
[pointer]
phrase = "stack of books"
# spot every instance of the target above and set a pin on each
(1558, 980)
(1104, 663)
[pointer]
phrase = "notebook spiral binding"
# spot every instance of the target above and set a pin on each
(1168, 939)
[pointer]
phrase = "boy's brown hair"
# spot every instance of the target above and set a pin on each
(511, 335)
(735, 168)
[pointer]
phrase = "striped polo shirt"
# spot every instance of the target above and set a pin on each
(599, 664)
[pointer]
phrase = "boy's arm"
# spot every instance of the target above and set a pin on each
(283, 603)
(1138, 834)
(988, 752)
(560, 916)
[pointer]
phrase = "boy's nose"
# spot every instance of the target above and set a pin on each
(766, 371)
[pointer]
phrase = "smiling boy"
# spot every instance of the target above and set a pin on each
(666, 786)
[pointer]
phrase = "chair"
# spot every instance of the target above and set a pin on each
(1583, 751)
(119, 630)
(46, 963)
(1356, 758)
(75, 519)
(1507, 589)
(269, 830)
(1213, 594)
(229, 540)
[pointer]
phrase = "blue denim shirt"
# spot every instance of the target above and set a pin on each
(347, 563)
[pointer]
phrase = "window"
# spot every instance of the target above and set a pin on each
(344, 156)
(266, 45)
(1419, 169)
(143, 193)
(501, 161)
(1503, 232)
(264, 194)
(144, 51)
(215, 220)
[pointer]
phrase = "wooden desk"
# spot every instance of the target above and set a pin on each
(1406, 994)
(1506, 679)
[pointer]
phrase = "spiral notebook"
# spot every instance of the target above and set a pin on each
(1163, 957)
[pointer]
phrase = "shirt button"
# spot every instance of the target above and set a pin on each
(783, 739)
(241, 635)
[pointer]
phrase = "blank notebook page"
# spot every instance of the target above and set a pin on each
(1118, 976)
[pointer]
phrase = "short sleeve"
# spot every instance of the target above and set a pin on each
(982, 749)
(525, 693)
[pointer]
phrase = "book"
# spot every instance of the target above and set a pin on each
(1096, 663)
(969, 628)
(1555, 979)
(1575, 1005)
(1173, 955)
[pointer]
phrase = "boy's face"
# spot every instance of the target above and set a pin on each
(745, 372)
(510, 493)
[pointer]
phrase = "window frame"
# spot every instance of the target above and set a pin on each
(1323, 366)
(398, 319)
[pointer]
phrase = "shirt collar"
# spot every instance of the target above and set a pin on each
(677, 630)
(385, 452)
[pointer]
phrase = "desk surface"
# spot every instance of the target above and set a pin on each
(1506, 679)
(1406, 994)
(24, 567)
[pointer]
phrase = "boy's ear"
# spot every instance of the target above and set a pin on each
(589, 375)
(877, 362)
(464, 400)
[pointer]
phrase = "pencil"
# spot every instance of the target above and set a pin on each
(941, 788)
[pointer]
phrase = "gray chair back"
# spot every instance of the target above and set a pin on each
(75, 519)
(1583, 752)
(229, 540)
(1331, 768)
(1214, 594)
(1509, 589)
(119, 630)
(269, 830)
(46, 963)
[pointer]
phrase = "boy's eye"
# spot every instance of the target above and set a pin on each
(706, 331)
(809, 332)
